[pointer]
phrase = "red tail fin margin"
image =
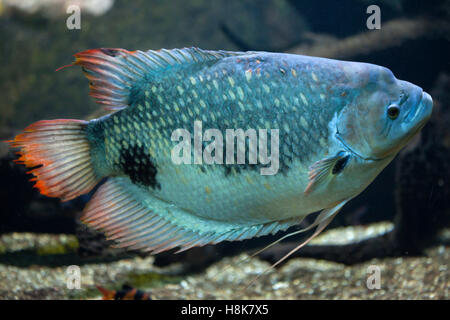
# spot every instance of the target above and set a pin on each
(59, 153)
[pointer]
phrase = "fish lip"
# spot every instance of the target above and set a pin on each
(422, 114)
(427, 107)
(424, 111)
(424, 105)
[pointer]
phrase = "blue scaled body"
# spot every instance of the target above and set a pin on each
(330, 127)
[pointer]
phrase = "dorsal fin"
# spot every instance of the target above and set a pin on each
(113, 72)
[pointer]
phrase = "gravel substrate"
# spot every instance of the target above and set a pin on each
(424, 277)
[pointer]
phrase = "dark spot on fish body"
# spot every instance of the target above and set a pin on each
(139, 166)
(340, 165)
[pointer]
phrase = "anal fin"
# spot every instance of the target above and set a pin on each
(135, 219)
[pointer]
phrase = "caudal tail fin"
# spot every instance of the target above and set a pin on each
(59, 153)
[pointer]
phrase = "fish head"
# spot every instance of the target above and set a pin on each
(383, 114)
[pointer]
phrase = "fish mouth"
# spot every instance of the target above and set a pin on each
(422, 112)
(427, 107)
(420, 116)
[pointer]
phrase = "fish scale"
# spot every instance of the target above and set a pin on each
(229, 78)
(334, 129)
(227, 110)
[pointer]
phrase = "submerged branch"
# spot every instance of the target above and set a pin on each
(392, 33)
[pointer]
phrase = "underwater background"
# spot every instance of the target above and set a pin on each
(399, 223)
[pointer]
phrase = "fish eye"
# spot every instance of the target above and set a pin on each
(393, 111)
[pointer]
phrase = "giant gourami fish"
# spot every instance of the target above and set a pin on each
(339, 124)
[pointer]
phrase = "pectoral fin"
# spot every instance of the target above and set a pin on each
(323, 170)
